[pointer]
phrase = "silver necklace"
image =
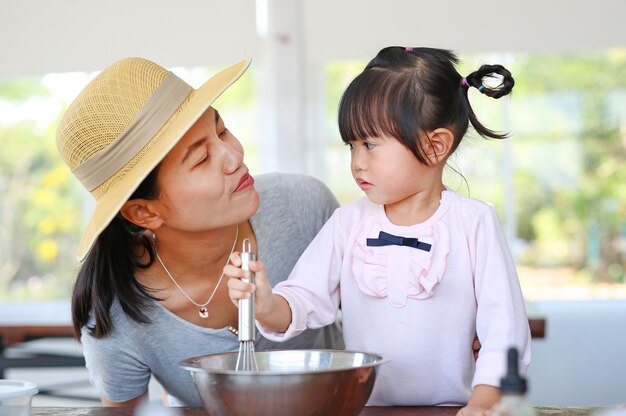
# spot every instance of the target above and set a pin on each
(203, 312)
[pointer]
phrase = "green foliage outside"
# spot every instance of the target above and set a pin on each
(584, 215)
(40, 204)
(43, 206)
(567, 154)
(567, 119)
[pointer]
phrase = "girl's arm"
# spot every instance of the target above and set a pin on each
(271, 310)
(277, 317)
(501, 320)
(309, 298)
(481, 401)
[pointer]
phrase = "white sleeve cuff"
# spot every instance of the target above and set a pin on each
(298, 322)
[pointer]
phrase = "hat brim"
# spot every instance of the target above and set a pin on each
(198, 102)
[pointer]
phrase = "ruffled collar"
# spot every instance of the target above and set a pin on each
(399, 273)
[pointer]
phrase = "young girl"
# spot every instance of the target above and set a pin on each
(417, 269)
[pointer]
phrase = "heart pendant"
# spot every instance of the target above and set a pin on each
(203, 312)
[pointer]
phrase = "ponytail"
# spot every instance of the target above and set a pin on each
(475, 79)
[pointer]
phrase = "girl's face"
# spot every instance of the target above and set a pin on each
(386, 170)
(203, 181)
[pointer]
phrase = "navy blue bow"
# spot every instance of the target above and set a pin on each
(385, 239)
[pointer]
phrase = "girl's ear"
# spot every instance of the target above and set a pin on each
(438, 146)
(141, 212)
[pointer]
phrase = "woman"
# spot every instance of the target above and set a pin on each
(173, 200)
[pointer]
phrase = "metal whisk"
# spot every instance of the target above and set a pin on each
(246, 360)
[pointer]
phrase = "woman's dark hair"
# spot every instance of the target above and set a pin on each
(108, 271)
(407, 92)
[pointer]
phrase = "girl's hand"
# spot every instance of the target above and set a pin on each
(483, 398)
(238, 289)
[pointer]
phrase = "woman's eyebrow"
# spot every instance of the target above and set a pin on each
(195, 145)
(199, 142)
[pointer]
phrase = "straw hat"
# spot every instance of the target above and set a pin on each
(123, 124)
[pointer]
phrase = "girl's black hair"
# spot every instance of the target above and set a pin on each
(407, 92)
(108, 271)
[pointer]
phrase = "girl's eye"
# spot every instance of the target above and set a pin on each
(369, 146)
(350, 146)
(223, 133)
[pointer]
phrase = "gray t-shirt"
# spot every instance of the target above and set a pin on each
(293, 209)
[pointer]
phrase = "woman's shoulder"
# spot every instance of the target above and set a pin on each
(124, 329)
(119, 338)
(300, 195)
(293, 209)
(297, 184)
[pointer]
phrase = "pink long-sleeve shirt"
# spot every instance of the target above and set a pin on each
(418, 309)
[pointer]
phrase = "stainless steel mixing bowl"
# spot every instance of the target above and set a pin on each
(290, 382)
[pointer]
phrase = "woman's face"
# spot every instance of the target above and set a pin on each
(203, 181)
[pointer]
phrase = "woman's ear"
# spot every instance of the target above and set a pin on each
(439, 144)
(141, 212)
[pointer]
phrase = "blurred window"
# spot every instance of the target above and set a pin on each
(43, 207)
(558, 182)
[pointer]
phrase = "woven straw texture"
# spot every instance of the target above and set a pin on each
(106, 107)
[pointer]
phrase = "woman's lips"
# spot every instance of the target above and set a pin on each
(245, 182)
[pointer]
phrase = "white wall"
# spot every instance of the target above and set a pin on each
(39, 36)
(582, 359)
(358, 29)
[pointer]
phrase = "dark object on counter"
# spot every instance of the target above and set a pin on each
(513, 388)
(513, 382)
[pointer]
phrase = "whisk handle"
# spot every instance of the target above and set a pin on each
(246, 306)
